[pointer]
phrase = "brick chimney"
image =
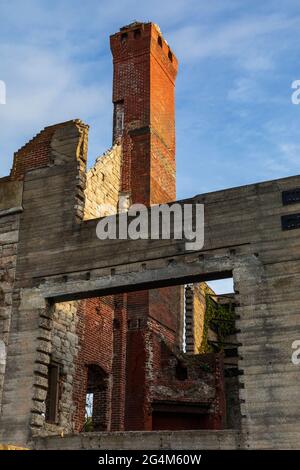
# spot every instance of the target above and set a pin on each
(145, 70)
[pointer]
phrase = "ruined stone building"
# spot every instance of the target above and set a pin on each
(99, 337)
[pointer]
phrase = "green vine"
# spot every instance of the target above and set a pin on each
(88, 425)
(220, 319)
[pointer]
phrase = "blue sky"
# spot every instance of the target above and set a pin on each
(235, 120)
(238, 58)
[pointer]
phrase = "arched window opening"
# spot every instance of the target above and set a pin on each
(96, 404)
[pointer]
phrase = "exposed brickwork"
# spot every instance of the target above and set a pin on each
(95, 333)
(38, 152)
(187, 391)
(144, 77)
(34, 154)
(119, 372)
(166, 307)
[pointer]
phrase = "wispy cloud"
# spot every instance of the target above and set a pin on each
(244, 89)
(235, 120)
(233, 39)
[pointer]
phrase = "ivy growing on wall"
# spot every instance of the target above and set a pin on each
(220, 319)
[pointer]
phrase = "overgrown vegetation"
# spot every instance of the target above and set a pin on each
(88, 425)
(220, 319)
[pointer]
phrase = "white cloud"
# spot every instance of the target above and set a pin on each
(44, 88)
(244, 90)
(257, 63)
(291, 152)
(241, 39)
(286, 159)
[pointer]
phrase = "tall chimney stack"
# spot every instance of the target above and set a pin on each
(145, 70)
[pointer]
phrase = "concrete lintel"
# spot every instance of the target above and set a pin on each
(139, 276)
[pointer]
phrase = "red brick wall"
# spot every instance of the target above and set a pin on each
(136, 410)
(95, 335)
(140, 166)
(144, 79)
(119, 363)
(162, 121)
(137, 416)
(196, 407)
(142, 358)
(131, 82)
(34, 154)
(165, 307)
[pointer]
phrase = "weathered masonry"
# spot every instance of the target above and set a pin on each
(80, 317)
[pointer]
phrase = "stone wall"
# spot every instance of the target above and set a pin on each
(82, 332)
(9, 234)
(68, 330)
(10, 209)
(59, 259)
(103, 184)
(63, 351)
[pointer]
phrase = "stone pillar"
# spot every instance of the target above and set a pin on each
(25, 384)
